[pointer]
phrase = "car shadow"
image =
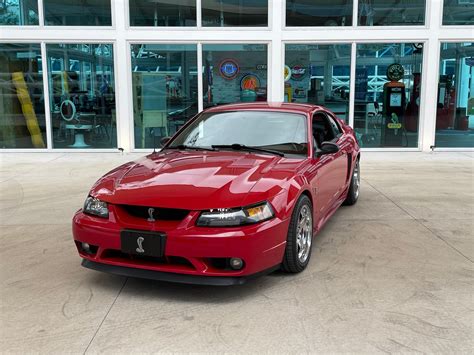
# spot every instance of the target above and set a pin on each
(146, 289)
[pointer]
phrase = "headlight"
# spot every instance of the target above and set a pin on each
(96, 207)
(231, 217)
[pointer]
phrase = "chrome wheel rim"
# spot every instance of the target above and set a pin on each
(356, 180)
(304, 233)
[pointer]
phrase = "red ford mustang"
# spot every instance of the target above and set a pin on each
(238, 192)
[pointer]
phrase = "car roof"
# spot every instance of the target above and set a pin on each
(266, 106)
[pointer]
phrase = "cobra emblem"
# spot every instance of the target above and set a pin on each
(140, 246)
(150, 215)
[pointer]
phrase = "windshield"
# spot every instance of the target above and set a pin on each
(283, 132)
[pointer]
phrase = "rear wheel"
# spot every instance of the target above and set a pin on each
(299, 239)
(354, 188)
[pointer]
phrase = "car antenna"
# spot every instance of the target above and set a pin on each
(154, 142)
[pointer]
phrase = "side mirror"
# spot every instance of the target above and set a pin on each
(164, 140)
(328, 148)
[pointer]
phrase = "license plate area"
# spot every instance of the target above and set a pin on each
(145, 243)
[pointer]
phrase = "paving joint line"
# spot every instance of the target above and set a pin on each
(467, 155)
(33, 168)
(103, 320)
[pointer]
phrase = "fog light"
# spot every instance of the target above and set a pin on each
(236, 263)
(86, 247)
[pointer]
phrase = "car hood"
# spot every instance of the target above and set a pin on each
(196, 180)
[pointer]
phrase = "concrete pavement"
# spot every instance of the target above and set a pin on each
(394, 273)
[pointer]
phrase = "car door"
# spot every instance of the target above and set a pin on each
(331, 168)
(342, 165)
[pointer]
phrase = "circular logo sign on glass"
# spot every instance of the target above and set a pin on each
(395, 72)
(228, 69)
(298, 72)
(287, 73)
(250, 82)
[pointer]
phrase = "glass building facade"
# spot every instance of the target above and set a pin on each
(228, 13)
(319, 13)
(82, 95)
(164, 85)
(77, 13)
(19, 13)
(386, 109)
(99, 74)
(162, 13)
(234, 73)
(387, 94)
(319, 74)
(458, 12)
(391, 13)
(22, 116)
(455, 106)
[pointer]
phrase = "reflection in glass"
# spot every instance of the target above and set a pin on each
(391, 12)
(162, 13)
(455, 114)
(77, 13)
(82, 95)
(458, 12)
(222, 13)
(18, 12)
(234, 73)
(283, 132)
(387, 94)
(164, 84)
(22, 119)
(319, 74)
(319, 13)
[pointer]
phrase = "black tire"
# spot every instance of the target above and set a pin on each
(354, 188)
(292, 263)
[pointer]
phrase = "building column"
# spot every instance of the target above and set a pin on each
(430, 70)
(123, 86)
(276, 53)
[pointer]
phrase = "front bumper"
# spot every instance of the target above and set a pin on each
(190, 251)
(172, 277)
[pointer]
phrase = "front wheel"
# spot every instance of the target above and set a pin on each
(299, 239)
(354, 188)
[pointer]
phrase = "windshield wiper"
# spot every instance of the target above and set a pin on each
(184, 147)
(237, 146)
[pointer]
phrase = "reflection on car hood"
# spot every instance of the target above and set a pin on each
(196, 180)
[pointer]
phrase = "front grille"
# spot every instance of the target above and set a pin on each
(159, 214)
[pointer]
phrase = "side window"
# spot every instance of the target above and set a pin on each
(335, 127)
(323, 130)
